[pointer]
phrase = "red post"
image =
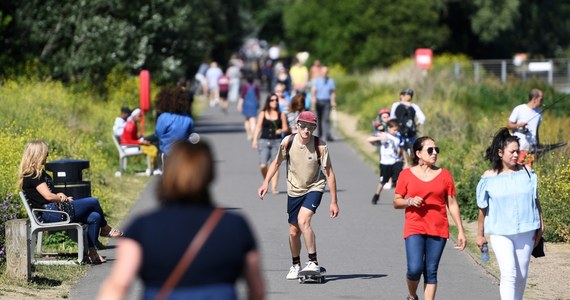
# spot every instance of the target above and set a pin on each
(144, 78)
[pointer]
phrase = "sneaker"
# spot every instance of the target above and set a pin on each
(375, 199)
(311, 266)
(293, 272)
(157, 172)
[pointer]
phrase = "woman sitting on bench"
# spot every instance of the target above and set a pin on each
(37, 185)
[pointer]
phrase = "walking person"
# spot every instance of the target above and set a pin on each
(390, 149)
(270, 127)
(510, 212)
(154, 243)
(409, 116)
(296, 107)
(323, 96)
(424, 191)
(306, 156)
(524, 122)
(249, 105)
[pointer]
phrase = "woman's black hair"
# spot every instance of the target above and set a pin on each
(500, 141)
(266, 106)
(418, 146)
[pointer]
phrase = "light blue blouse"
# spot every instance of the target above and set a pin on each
(510, 202)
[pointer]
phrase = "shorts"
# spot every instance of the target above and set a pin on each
(391, 171)
(267, 149)
(224, 94)
(310, 200)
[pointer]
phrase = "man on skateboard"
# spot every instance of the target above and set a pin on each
(306, 156)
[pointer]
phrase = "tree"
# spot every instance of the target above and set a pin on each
(361, 33)
(86, 39)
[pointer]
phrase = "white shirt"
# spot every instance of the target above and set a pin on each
(389, 147)
(420, 117)
(527, 134)
(119, 126)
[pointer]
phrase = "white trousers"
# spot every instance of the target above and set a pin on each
(513, 255)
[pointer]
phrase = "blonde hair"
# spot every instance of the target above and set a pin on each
(188, 173)
(33, 160)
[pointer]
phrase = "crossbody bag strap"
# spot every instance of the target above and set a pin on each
(190, 254)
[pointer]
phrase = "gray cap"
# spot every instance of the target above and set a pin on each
(407, 91)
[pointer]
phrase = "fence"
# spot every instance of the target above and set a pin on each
(554, 71)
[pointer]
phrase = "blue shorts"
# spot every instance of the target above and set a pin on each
(310, 200)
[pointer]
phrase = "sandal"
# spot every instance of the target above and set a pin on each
(113, 233)
(94, 258)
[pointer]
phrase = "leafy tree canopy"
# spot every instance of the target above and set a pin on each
(364, 33)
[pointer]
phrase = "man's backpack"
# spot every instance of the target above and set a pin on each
(406, 116)
(317, 144)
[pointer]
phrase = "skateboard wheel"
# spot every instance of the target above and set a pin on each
(301, 280)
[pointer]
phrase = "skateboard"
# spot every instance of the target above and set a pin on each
(319, 277)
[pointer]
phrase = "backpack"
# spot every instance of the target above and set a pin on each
(406, 116)
(317, 144)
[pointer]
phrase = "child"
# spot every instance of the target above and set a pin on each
(390, 148)
(379, 123)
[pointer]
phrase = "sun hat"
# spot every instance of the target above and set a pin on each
(308, 117)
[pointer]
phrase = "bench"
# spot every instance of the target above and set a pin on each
(37, 227)
(127, 151)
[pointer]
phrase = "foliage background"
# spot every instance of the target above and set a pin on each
(462, 117)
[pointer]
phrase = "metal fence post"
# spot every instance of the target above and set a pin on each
(457, 70)
(503, 71)
(551, 72)
(476, 71)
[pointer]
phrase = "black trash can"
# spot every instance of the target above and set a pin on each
(68, 177)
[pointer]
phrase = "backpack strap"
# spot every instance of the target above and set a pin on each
(289, 145)
(317, 149)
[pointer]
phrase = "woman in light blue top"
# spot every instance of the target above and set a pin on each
(509, 212)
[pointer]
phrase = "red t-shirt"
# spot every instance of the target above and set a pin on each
(431, 217)
(130, 134)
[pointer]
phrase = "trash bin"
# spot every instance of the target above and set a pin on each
(68, 177)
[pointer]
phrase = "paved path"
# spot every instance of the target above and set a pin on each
(362, 249)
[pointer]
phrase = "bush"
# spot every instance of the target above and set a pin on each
(74, 121)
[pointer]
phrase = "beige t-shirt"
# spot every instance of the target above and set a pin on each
(305, 175)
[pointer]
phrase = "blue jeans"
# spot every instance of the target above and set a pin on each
(87, 211)
(423, 253)
(324, 118)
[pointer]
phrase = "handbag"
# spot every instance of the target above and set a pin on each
(538, 251)
(67, 207)
(190, 253)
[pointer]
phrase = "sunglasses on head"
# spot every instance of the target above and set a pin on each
(306, 126)
(430, 150)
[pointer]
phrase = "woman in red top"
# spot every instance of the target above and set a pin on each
(426, 192)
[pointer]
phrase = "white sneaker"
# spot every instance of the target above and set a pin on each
(293, 272)
(311, 266)
(157, 172)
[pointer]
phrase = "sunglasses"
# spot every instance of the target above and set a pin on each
(430, 150)
(273, 100)
(306, 126)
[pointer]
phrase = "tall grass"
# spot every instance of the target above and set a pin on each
(462, 117)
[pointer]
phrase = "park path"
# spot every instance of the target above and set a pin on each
(362, 249)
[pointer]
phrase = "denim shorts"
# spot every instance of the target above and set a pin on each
(267, 149)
